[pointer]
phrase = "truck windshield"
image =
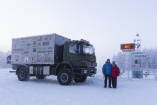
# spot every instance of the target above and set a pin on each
(88, 49)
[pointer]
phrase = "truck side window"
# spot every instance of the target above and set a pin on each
(72, 48)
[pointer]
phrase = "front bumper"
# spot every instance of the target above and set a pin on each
(85, 71)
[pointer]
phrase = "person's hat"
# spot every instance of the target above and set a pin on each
(108, 59)
(113, 62)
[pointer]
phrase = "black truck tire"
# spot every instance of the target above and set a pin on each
(65, 76)
(40, 77)
(23, 74)
(80, 78)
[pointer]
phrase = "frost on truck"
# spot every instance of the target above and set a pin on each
(53, 54)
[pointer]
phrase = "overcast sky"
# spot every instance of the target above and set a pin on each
(105, 23)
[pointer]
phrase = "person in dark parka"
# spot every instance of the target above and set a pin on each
(114, 73)
(107, 72)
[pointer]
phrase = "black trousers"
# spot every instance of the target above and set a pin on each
(114, 82)
(107, 77)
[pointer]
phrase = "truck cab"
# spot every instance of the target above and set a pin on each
(81, 56)
(80, 60)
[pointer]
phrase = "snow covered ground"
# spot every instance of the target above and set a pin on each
(50, 92)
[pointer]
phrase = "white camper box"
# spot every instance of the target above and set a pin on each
(36, 49)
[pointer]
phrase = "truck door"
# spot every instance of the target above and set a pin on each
(73, 55)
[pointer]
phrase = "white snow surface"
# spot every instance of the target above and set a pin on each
(50, 92)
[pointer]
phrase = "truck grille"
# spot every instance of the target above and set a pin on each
(91, 64)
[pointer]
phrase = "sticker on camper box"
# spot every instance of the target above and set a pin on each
(17, 46)
(20, 49)
(41, 51)
(28, 44)
(40, 57)
(34, 49)
(34, 43)
(40, 39)
(34, 57)
(17, 56)
(50, 47)
(15, 50)
(43, 57)
(26, 59)
(49, 51)
(50, 38)
(45, 43)
(26, 52)
(45, 38)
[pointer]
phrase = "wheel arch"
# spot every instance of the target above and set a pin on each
(63, 65)
(20, 67)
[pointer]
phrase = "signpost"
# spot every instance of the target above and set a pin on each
(140, 55)
(137, 56)
(146, 74)
(129, 47)
(129, 50)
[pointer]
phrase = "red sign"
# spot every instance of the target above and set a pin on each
(130, 46)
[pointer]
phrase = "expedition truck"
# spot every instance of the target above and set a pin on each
(53, 54)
